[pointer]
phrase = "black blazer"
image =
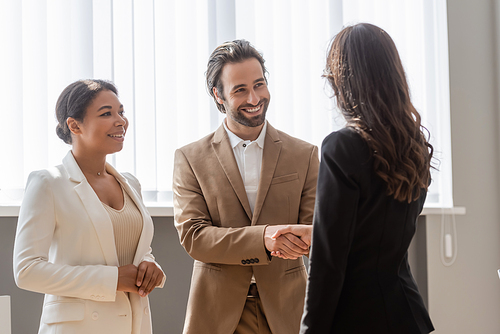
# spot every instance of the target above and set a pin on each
(359, 279)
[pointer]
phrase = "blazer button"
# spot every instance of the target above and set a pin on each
(146, 310)
(256, 260)
(92, 297)
(95, 315)
(243, 262)
(252, 260)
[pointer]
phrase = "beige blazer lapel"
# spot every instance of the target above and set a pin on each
(97, 213)
(224, 152)
(270, 156)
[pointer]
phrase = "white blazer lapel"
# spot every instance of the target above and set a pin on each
(95, 210)
(147, 227)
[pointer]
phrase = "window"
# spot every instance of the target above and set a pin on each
(155, 51)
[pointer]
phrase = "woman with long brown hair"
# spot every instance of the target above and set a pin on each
(372, 185)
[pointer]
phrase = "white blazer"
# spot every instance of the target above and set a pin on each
(65, 248)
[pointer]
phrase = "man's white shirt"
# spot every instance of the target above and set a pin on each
(248, 155)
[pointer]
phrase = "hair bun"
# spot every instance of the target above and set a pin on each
(63, 134)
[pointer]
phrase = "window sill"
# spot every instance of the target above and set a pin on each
(167, 210)
(155, 209)
(434, 210)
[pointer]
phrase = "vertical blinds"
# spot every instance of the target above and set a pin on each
(155, 51)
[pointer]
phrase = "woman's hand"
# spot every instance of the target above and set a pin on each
(303, 232)
(127, 278)
(284, 244)
(149, 276)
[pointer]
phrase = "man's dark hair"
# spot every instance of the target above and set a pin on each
(236, 51)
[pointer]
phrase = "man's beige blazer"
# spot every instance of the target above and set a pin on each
(65, 248)
(218, 229)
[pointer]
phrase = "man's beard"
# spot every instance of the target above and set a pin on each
(251, 121)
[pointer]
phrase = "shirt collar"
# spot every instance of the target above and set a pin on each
(235, 140)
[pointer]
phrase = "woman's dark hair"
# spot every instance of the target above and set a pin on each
(368, 80)
(74, 100)
(236, 51)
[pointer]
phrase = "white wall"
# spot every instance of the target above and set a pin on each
(465, 298)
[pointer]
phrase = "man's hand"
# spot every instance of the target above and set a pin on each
(284, 244)
(149, 276)
(301, 231)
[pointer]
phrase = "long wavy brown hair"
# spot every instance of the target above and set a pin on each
(368, 80)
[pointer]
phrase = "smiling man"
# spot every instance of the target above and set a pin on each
(233, 190)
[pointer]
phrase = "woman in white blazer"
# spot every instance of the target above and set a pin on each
(83, 236)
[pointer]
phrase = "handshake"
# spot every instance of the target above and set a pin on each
(288, 241)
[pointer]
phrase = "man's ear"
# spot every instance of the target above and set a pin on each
(73, 126)
(217, 96)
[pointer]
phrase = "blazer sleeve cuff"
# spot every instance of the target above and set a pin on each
(107, 290)
(258, 254)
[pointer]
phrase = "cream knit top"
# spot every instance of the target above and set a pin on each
(127, 228)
